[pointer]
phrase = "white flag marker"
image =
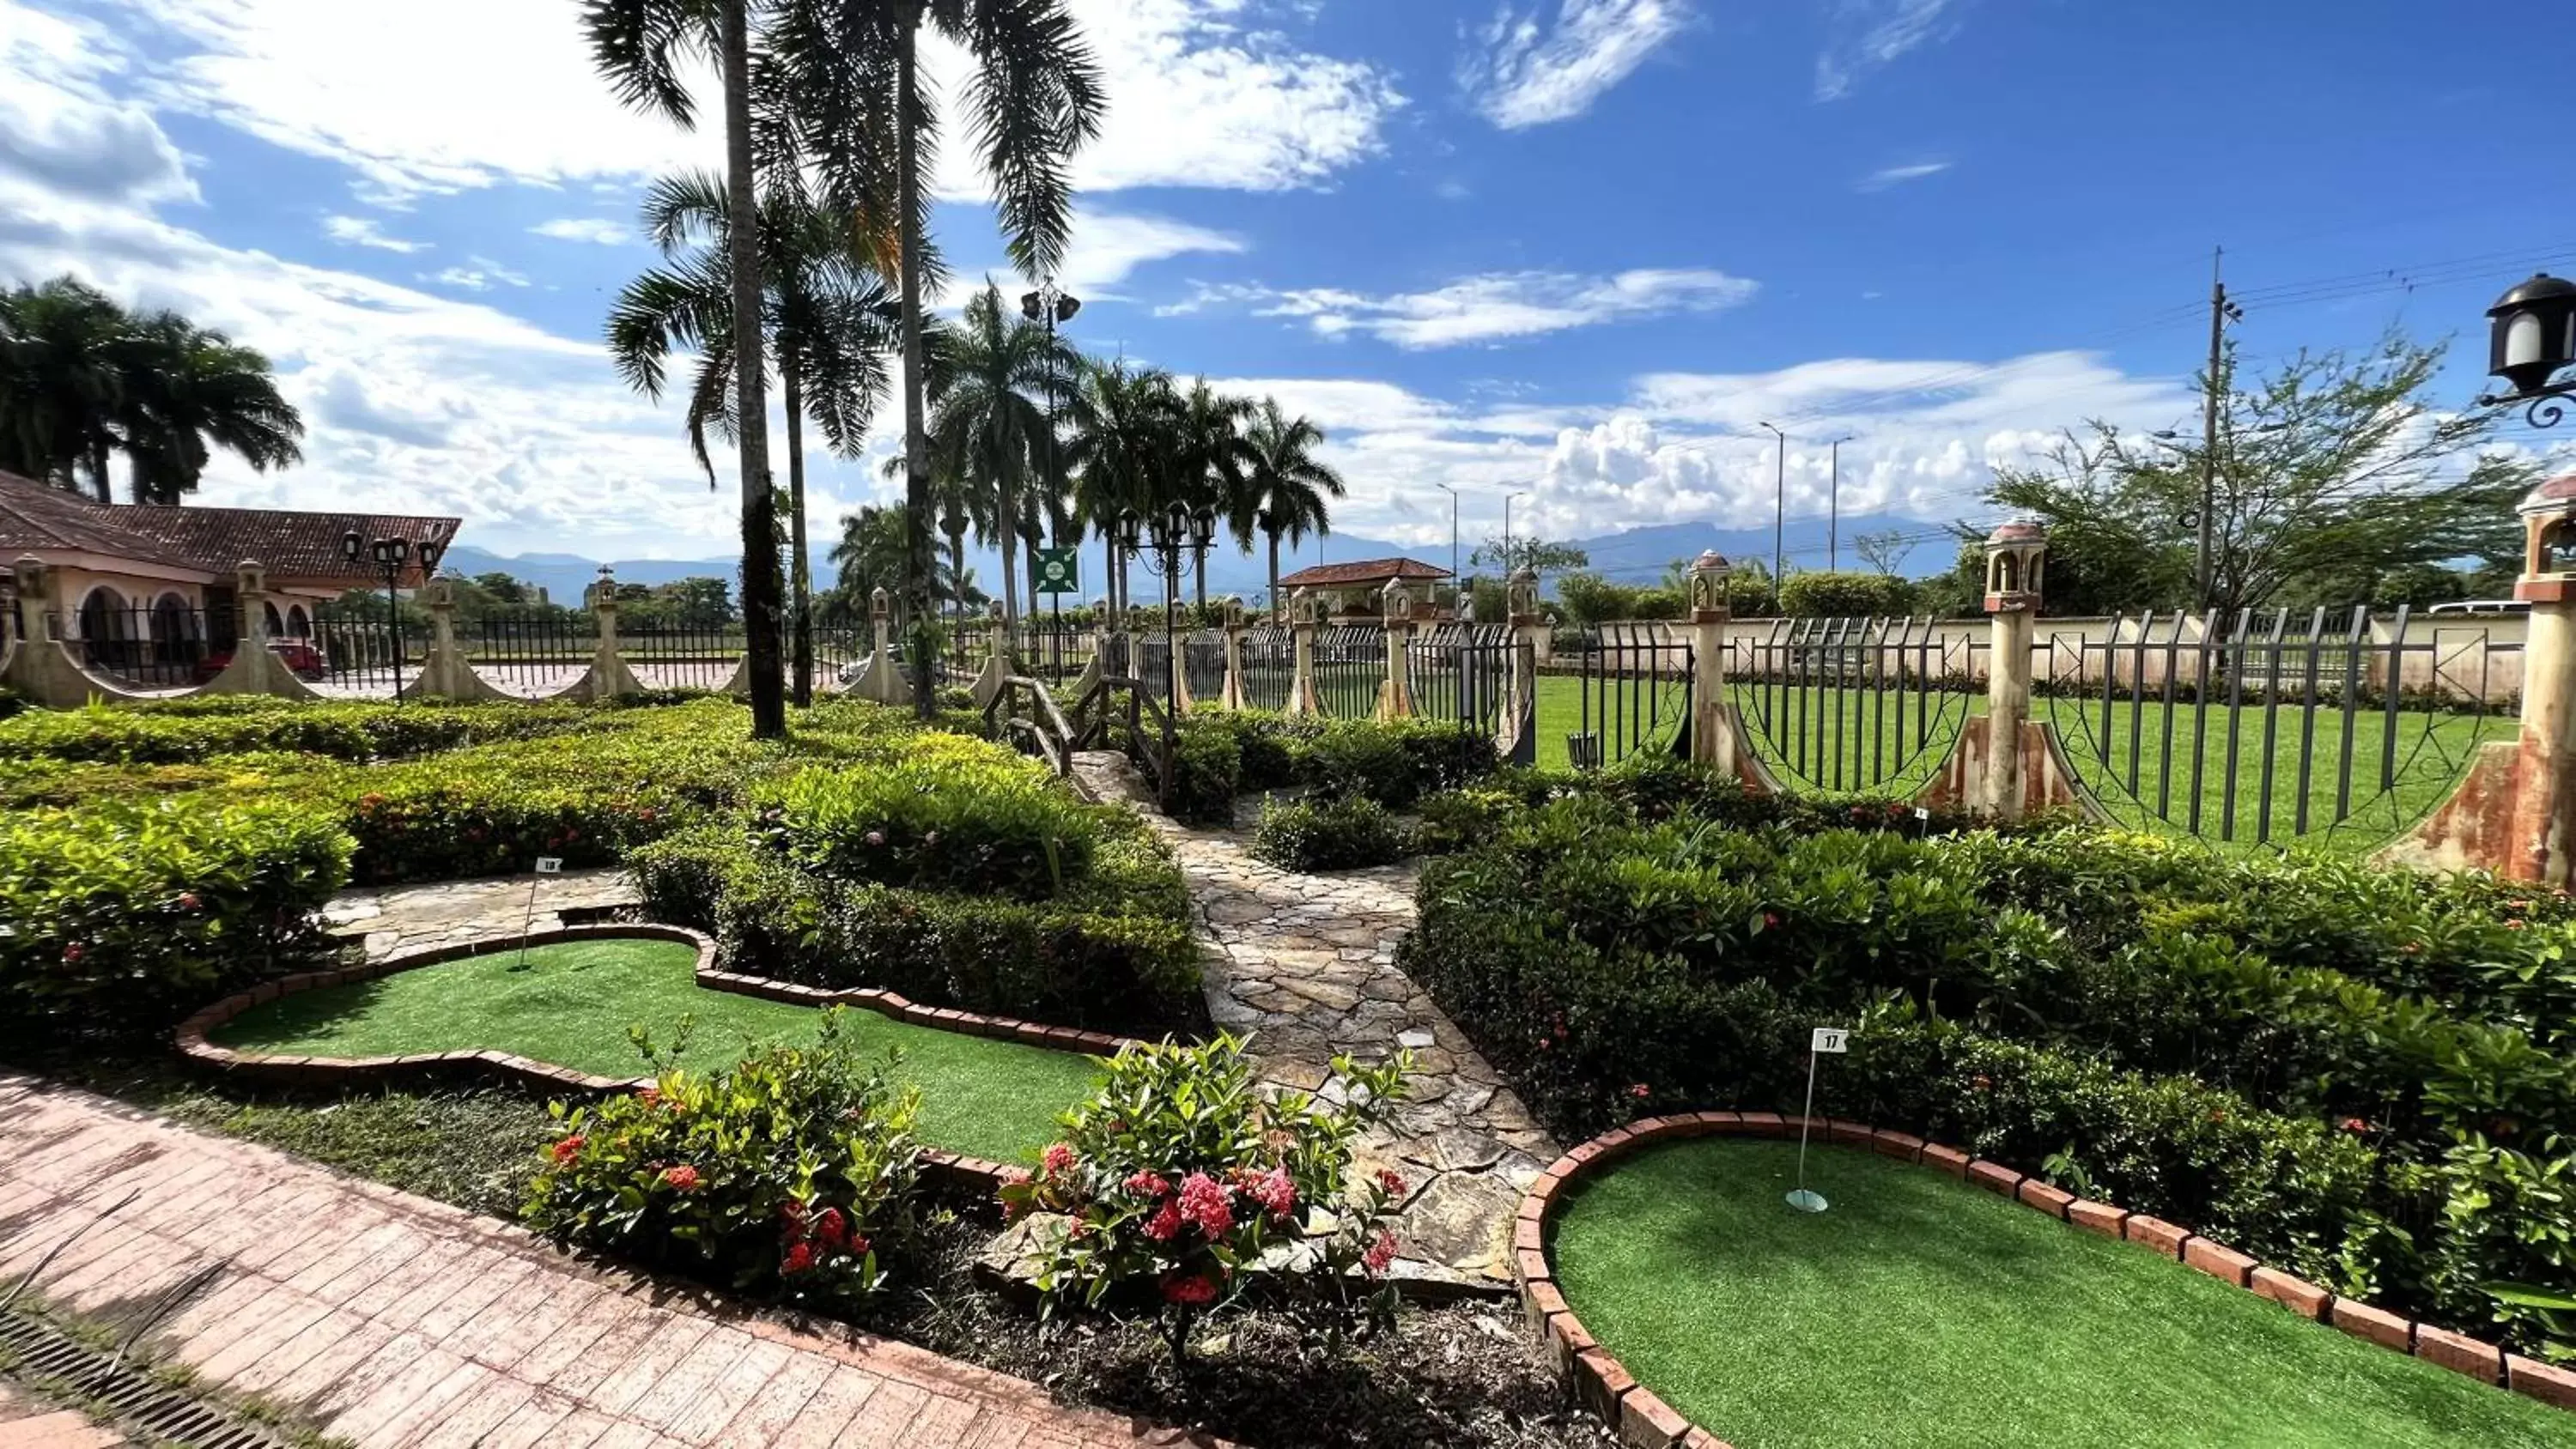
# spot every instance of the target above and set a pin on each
(1827, 1040)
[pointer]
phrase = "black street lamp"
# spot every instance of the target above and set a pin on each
(391, 554)
(2533, 337)
(1173, 540)
(1054, 306)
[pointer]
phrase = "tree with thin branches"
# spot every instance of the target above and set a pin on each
(1286, 485)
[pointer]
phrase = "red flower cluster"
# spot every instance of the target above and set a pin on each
(73, 952)
(683, 1178)
(800, 1257)
(1165, 1224)
(1057, 1159)
(1203, 1202)
(1639, 1090)
(568, 1149)
(1276, 1193)
(2355, 1124)
(1147, 1184)
(188, 901)
(1189, 1288)
(1379, 1254)
(1391, 1180)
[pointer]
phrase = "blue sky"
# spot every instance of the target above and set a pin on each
(1573, 248)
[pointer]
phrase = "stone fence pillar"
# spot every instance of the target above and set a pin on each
(1395, 698)
(2016, 553)
(997, 664)
(2542, 844)
(609, 678)
(1519, 741)
(255, 669)
(1712, 735)
(1306, 610)
(1235, 694)
(446, 673)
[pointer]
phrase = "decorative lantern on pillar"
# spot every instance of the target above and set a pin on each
(1520, 596)
(1234, 612)
(880, 604)
(2016, 555)
(2549, 543)
(1708, 575)
(2531, 336)
(1397, 600)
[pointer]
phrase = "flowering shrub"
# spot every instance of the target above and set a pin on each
(133, 913)
(1181, 1175)
(777, 1175)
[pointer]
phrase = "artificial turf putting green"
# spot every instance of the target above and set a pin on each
(572, 1003)
(1920, 1311)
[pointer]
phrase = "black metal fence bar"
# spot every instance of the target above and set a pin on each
(362, 649)
(1458, 673)
(2330, 749)
(1632, 694)
(1855, 704)
(686, 651)
(1269, 667)
(531, 651)
(151, 646)
(1203, 666)
(1350, 669)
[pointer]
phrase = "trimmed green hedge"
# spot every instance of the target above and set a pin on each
(180, 733)
(1343, 834)
(132, 914)
(952, 814)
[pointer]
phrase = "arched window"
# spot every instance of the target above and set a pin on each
(275, 625)
(103, 615)
(299, 623)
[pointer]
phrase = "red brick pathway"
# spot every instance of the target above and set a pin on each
(397, 1322)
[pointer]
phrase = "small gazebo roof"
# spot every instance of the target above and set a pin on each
(1363, 572)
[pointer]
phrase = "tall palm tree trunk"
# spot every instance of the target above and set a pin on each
(800, 569)
(916, 429)
(751, 405)
(1202, 582)
(1278, 606)
(1029, 563)
(1009, 502)
(957, 575)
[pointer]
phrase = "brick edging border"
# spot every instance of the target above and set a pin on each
(1645, 1421)
(968, 1174)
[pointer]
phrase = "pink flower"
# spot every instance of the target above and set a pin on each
(1058, 1159)
(1379, 1254)
(1147, 1184)
(1014, 1176)
(649, 1096)
(2355, 1124)
(73, 952)
(830, 1228)
(683, 1178)
(1203, 1202)
(1165, 1225)
(1770, 921)
(800, 1256)
(1391, 1180)
(1276, 1193)
(2513, 925)
(1189, 1288)
(1640, 1091)
(876, 837)
(188, 900)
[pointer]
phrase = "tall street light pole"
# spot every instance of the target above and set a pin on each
(1834, 508)
(1507, 530)
(1054, 306)
(1453, 531)
(1779, 506)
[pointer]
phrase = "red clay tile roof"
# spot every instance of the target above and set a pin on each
(299, 548)
(1366, 571)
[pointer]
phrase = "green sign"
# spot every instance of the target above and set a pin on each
(1057, 571)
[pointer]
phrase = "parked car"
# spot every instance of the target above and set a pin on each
(302, 656)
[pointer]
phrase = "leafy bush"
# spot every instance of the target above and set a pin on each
(777, 1175)
(1182, 1174)
(188, 731)
(1393, 762)
(1329, 834)
(127, 915)
(953, 814)
(1207, 773)
(1591, 599)
(1822, 595)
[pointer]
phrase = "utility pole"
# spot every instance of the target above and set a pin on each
(1779, 505)
(2220, 310)
(1453, 531)
(1834, 508)
(1507, 531)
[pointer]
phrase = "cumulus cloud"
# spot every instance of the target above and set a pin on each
(596, 230)
(1203, 97)
(1109, 246)
(1521, 73)
(1870, 34)
(58, 129)
(1494, 307)
(482, 276)
(360, 231)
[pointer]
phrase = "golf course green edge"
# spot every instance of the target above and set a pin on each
(964, 1173)
(1644, 1420)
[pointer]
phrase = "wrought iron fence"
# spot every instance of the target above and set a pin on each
(156, 646)
(1856, 704)
(534, 650)
(1269, 667)
(697, 650)
(839, 652)
(965, 646)
(1055, 653)
(1203, 665)
(1459, 672)
(2276, 725)
(1630, 692)
(1350, 669)
(364, 650)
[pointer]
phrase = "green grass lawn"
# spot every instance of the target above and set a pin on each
(1920, 1311)
(572, 1003)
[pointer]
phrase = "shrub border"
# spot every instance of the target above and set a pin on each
(953, 1169)
(1645, 1421)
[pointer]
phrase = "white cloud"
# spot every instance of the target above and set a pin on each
(1108, 246)
(1521, 73)
(1491, 308)
(1887, 176)
(1198, 96)
(1869, 34)
(597, 230)
(59, 129)
(482, 276)
(365, 232)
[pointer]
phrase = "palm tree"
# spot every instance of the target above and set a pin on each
(870, 555)
(1119, 452)
(186, 390)
(1209, 458)
(60, 382)
(641, 46)
(1033, 97)
(1285, 485)
(828, 314)
(988, 425)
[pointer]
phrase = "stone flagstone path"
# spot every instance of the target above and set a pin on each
(1306, 964)
(401, 1323)
(450, 913)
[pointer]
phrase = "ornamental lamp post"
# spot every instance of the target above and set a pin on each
(1175, 537)
(2532, 337)
(391, 554)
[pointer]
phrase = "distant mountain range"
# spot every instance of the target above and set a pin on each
(1637, 555)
